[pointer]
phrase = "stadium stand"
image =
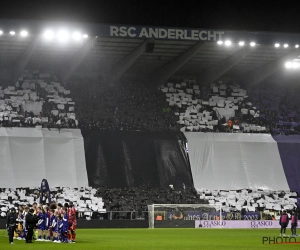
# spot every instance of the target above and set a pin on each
(251, 200)
(37, 99)
(221, 108)
(124, 106)
(89, 201)
(116, 157)
(229, 108)
(279, 107)
(109, 203)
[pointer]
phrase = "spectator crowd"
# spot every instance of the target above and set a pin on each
(39, 100)
(132, 203)
(124, 106)
(36, 100)
(229, 108)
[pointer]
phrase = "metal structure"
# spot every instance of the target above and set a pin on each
(115, 57)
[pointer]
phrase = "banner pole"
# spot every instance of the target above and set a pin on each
(221, 216)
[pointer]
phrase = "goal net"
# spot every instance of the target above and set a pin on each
(183, 215)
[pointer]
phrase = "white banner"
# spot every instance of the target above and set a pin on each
(29, 155)
(223, 161)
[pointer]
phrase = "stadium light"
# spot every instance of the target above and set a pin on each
(288, 65)
(295, 65)
(85, 36)
(62, 35)
(1, 32)
(297, 46)
(241, 43)
(76, 35)
(285, 45)
(220, 42)
(227, 43)
(12, 33)
(252, 44)
(24, 33)
(277, 45)
(48, 34)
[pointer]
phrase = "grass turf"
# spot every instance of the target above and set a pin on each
(133, 239)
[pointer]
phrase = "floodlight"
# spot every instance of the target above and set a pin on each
(24, 33)
(227, 43)
(288, 65)
(85, 36)
(297, 46)
(48, 34)
(285, 45)
(12, 33)
(241, 43)
(252, 44)
(295, 65)
(220, 42)
(1, 32)
(63, 35)
(76, 35)
(277, 45)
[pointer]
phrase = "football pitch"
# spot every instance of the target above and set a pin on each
(200, 238)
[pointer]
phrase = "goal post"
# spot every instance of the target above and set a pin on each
(183, 215)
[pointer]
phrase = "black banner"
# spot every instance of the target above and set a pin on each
(45, 191)
(134, 159)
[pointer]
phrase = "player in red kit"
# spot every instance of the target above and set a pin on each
(72, 222)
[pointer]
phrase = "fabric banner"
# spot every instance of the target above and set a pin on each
(118, 159)
(221, 161)
(237, 224)
(45, 191)
(29, 155)
(289, 148)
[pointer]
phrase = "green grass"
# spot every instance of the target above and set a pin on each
(137, 239)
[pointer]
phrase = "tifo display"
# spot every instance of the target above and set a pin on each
(158, 127)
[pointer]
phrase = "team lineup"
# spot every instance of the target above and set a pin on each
(54, 223)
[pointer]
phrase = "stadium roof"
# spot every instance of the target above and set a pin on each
(116, 54)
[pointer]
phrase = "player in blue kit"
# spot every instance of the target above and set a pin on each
(65, 227)
(55, 227)
(41, 223)
(51, 219)
(46, 232)
(60, 228)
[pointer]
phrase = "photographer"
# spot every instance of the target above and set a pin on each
(31, 221)
(11, 224)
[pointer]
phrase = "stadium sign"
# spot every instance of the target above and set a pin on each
(165, 33)
(151, 32)
(195, 215)
(192, 34)
(236, 224)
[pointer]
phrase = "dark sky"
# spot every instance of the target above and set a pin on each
(280, 16)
